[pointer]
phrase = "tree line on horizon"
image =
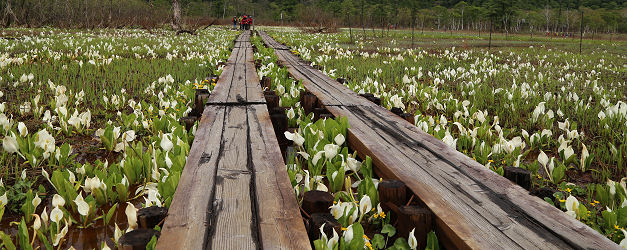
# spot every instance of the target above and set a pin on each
(553, 16)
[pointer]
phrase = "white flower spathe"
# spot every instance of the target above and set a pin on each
(131, 215)
(56, 215)
(58, 201)
(22, 129)
(365, 205)
(295, 137)
(330, 150)
(339, 139)
(83, 207)
(572, 206)
(166, 144)
(413, 243)
(9, 143)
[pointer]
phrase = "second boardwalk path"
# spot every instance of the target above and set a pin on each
(234, 192)
(473, 206)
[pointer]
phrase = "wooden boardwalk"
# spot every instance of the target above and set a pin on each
(234, 192)
(473, 206)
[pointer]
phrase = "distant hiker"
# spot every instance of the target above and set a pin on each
(234, 22)
(249, 21)
(241, 24)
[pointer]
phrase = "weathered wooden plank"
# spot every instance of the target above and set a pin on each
(470, 212)
(234, 226)
(223, 85)
(237, 90)
(328, 90)
(234, 192)
(233, 211)
(278, 215)
(239, 83)
(188, 215)
(474, 207)
(510, 198)
(243, 40)
(271, 43)
(344, 94)
(254, 93)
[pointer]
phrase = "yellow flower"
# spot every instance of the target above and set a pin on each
(562, 200)
(366, 237)
(568, 190)
(616, 227)
(344, 229)
(490, 160)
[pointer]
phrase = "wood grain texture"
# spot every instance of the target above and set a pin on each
(188, 214)
(234, 192)
(280, 223)
(239, 83)
(315, 81)
(474, 207)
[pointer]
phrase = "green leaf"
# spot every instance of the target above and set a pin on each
(319, 245)
(378, 241)
(558, 174)
(44, 239)
(6, 241)
(549, 200)
(389, 230)
(152, 244)
(401, 243)
(23, 236)
(122, 191)
(27, 207)
(500, 171)
(358, 239)
(432, 241)
(110, 214)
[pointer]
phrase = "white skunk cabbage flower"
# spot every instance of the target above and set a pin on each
(131, 216)
(413, 243)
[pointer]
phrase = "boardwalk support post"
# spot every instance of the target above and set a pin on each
(317, 202)
(137, 239)
(415, 218)
(520, 176)
(149, 217)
